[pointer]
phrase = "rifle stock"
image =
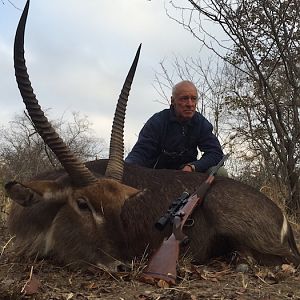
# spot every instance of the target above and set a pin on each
(163, 263)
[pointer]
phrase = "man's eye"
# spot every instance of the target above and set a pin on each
(186, 98)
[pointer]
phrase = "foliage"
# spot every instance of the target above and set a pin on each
(24, 154)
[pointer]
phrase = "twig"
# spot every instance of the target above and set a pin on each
(137, 268)
(260, 278)
(30, 276)
(106, 270)
(5, 246)
(12, 4)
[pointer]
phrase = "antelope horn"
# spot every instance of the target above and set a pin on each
(79, 174)
(115, 165)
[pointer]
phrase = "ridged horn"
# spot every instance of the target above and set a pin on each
(115, 165)
(79, 174)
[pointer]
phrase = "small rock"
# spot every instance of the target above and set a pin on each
(243, 268)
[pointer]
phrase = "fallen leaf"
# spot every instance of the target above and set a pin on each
(288, 269)
(70, 296)
(92, 285)
(32, 285)
(163, 284)
(267, 276)
(241, 291)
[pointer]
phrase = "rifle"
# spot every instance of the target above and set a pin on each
(162, 265)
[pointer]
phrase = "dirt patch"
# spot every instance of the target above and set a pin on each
(216, 280)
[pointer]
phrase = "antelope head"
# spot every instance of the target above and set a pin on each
(82, 181)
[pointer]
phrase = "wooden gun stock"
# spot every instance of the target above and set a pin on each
(164, 262)
(162, 265)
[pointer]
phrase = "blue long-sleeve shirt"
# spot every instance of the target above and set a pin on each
(163, 133)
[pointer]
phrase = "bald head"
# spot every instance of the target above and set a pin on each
(183, 85)
(184, 100)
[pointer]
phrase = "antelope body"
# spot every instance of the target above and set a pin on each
(109, 221)
(105, 211)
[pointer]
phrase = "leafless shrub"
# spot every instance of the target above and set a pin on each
(24, 154)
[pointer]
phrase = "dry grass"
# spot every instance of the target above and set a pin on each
(276, 192)
(4, 204)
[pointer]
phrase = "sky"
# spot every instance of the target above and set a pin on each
(78, 54)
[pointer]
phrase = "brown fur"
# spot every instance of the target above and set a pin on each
(109, 220)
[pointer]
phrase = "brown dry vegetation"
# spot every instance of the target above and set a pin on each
(218, 279)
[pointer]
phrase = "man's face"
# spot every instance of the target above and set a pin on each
(184, 101)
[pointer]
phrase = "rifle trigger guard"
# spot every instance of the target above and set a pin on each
(189, 222)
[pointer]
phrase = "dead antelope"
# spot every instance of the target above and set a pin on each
(103, 218)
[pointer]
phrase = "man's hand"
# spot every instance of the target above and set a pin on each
(188, 168)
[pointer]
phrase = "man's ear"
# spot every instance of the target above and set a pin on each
(172, 100)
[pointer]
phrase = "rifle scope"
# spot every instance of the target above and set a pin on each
(173, 209)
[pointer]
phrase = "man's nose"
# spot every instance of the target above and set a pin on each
(190, 102)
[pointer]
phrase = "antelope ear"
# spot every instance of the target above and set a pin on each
(31, 193)
(119, 192)
(21, 194)
(130, 191)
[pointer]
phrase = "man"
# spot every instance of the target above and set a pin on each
(170, 138)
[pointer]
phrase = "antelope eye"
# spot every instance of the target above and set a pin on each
(82, 204)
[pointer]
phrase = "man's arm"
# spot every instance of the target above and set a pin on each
(146, 150)
(210, 146)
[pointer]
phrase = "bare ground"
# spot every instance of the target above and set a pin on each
(216, 280)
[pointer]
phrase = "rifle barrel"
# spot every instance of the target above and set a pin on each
(219, 165)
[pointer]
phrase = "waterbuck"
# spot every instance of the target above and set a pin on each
(104, 211)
